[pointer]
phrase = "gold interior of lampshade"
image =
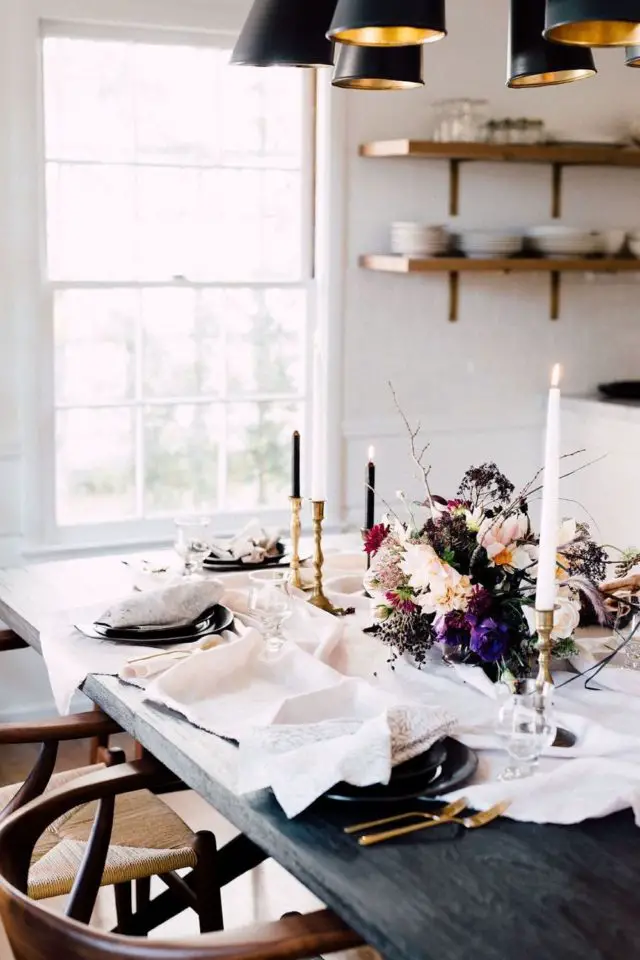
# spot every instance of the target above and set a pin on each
(364, 83)
(635, 62)
(597, 33)
(388, 36)
(548, 79)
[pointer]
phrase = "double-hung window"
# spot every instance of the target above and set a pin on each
(179, 243)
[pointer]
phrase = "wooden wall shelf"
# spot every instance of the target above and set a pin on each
(570, 155)
(557, 156)
(454, 266)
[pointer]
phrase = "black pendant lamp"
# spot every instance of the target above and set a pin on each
(533, 61)
(288, 33)
(593, 23)
(633, 56)
(378, 68)
(388, 23)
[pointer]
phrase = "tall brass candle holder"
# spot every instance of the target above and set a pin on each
(295, 579)
(319, 599)
(544, 626)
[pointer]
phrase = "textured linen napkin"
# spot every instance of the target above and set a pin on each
(302, 727)
(176, 605)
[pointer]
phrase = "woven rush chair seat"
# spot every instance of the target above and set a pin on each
(148, 839)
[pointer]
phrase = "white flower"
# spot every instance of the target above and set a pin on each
(421, 565)
(474, 518)
(566, 618)
(500, 538)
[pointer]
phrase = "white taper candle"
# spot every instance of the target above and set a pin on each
(550, 522)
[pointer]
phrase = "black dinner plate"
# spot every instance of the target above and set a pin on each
(232, 565)
(216, 619)
(459, 766)
(422, 765)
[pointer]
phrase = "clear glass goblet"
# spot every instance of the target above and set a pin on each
(525, 722)
(192, 543)
(270, 604)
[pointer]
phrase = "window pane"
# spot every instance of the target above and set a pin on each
(265, 340)
(90, 222)
(182, 451)
(259, 453)
(183, 346)
(95, 465)
(88, 100)
(94, 345)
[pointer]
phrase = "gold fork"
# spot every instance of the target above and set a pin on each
(450, 811)
(470, 823)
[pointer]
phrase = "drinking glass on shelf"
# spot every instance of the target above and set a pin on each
(270, 604)
(461, 120)
(526, 724)
(192, 543)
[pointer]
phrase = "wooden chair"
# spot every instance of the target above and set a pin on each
(11, 641)
(37, 934)
(147, 838)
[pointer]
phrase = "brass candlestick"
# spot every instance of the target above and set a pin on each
(295, 579)
(544, 626)
(318, 599)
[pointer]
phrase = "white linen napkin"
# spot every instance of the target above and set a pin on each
(302, 727)
(179, 604)
(153, 664)
(251, 545)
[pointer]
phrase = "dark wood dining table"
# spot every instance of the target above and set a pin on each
(509, 891)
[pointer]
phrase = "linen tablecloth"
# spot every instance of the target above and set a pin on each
(597, 777)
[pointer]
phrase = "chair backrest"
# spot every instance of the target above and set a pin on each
(37, 934)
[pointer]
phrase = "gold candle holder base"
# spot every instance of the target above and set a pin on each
(319, 599)
(295, 579)
(544, 626)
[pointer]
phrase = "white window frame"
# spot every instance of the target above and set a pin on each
(42, 530)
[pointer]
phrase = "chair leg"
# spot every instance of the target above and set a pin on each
(206, 883)
(124, 905)
(98, 746)
(143, 893)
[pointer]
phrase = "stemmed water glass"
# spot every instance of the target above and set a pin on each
(192, 543)
(526, 723)
(269, 603)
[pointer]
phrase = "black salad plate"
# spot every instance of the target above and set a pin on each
(458, 767)
(281, 559)
(214, 620)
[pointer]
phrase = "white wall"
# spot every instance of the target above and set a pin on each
(477, 385)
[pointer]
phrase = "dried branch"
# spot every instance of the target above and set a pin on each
(418, 458)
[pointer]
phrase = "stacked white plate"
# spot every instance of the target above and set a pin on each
(558, 242)
(490, 244)
(418, 240)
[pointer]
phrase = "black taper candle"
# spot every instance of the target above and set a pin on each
(370, 483)
(295, 465)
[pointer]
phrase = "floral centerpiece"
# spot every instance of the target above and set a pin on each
(464, 575)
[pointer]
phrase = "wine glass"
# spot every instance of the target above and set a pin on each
(526, 723)
(269, 603)
(192, 543)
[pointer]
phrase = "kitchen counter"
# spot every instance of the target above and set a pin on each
(596, 406)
